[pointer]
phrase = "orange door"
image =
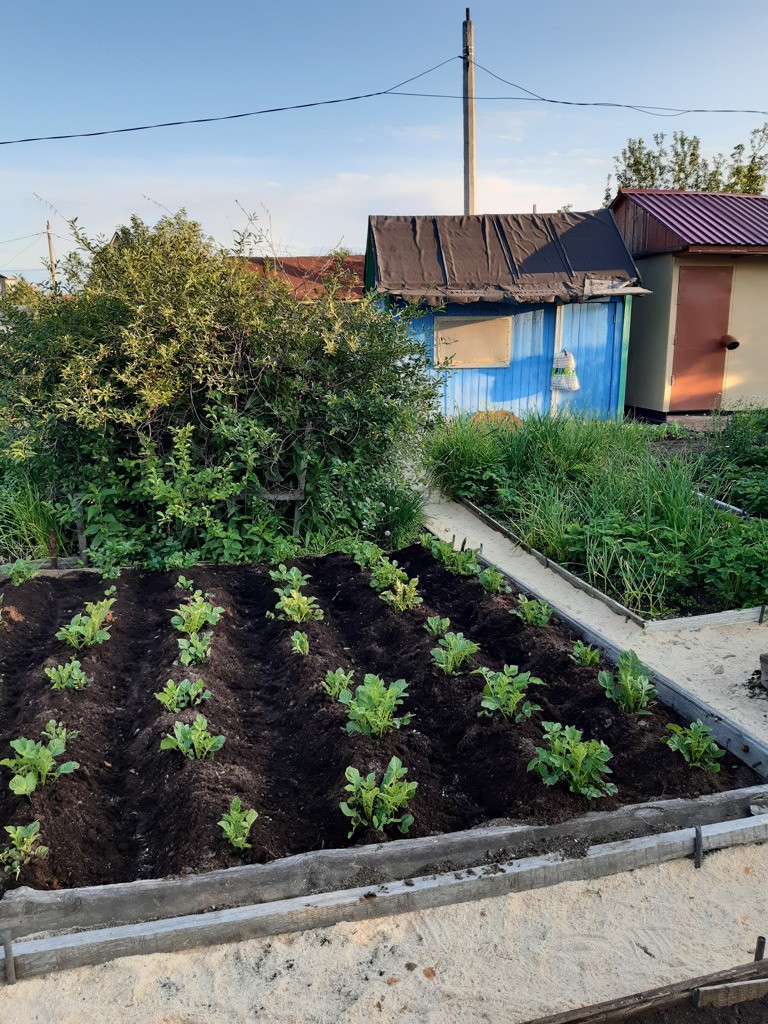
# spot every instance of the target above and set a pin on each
(698, 364)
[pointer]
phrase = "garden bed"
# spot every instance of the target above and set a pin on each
(132, 811)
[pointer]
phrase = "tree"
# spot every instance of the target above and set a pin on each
(682, 166)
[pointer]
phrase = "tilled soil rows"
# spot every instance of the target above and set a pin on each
(133, 811)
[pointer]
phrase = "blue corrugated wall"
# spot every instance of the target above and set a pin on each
(592, 332)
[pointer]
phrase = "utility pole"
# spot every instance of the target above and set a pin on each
(50, 253)
(470, 182)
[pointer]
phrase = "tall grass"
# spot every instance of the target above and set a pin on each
(26, 519)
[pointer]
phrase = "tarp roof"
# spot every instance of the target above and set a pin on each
(305, 274)
(499, 257)
(705, 218)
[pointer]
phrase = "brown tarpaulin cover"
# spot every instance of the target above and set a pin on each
(500, 257)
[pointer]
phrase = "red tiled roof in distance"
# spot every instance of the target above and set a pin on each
(705, 218)
(304, 274)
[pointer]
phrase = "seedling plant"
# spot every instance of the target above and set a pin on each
(337, 681)
(292, 578)
(184, 584)
(697, 745)
(20, 571)
(436, 626)
(403, 596)
(535, 613)
(35, 762)
(69, 676)
(632, 690)
(194, 649)
(197, 613)
(366, 555)
(185, 694)
(454, 650)
(569, 759)
(295, 606)
(371, 710)
(503, 692)
(493, 582)
(24, 847)
(193, 741)
(372, 806)
(386, 573)
(584, 655)
(300, 643)
(236, 824)
(461, 563)
(85, 629)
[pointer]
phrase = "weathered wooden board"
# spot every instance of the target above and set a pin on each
(26, 911)
(728, 618)
(730, 993)
(39, 956)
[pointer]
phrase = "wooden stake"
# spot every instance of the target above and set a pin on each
(10, 967)
(760, 948)
(50, 253)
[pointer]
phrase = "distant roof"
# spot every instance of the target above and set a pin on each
(305, 274)
(704, 218)
(499, 257)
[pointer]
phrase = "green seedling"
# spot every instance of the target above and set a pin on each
(372, 806)
(461, 563)
(366, 554)
(453, 651)
(236, 824)
(24, 847)
(300, 643)
(493, 582)
(297, 607)
(403, 596)
(194, 649)
(386, 573)
(292, 579)
(184, 695)
(35, 763)
(503, 692)
(20, 571)
(584, 655)
(436, 626)
(535, 613)
(85, 630)
(197, 613)
(580, 764)
(372, 708)
(697, 745)
(194, 741)
(632, 690)
(184, 584)
(337, 681)
(69, 676)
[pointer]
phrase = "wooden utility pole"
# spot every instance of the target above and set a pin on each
(470, 182)
(50, 253)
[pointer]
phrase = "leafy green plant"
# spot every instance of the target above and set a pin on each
(371, 710)
(184, 584)
(182, 695)
(436, 626)
(293, 579)
(403, 596)
(193, 741)
(697, 745)
(194, 649)
(69, 676)
(196, 613)
(366, 555)
(372, 806)
(632, 690)
(35, 763)
(337, 681)
(493, 582)
(300, 643)
(297, 607)
(20, 571)
(535, 613)
(580, 764)
(386, 573)
(85, 629)
(461, 563)
(584, 655)
(236, 824)
(503, 692)
(454, 650)
(24, 847)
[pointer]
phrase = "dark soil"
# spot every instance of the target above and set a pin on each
(753, 1012)
(134, 811)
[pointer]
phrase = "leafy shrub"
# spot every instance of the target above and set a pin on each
(292, 579)
(493, 582)
(403, 596)
(371, 710)
(236, 824)
(697, 745)
(535, 613)
(632, 691)
(297, 607)
(300, 643)
(336, 681)
(436, 626)
(194, 649)
(372, 806)
(503, 692)
(20, 571)
(580, 764)
(182, 695)
(584, 655)
(453, 651)
(69, 676)
(24, 847)
(85, 630)
(193, 741)
(196, 613)
(35, 763)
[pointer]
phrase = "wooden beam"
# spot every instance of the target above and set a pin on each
(730, 993)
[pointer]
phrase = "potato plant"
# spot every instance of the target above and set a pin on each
(632, 689)
(194, 649)
(337, 681)
(503, 692)
(69, 676)
(403, 596)
(236, 825)
(185, 694)
(578, 763)
(372, 806)
(535, 613)
(300, 643)
(493, 582)
(697, 745)
(20, 571)
(295, 606)
(366, 554)
(371, 710)
(24, 847)
(436, 626)
(386, 572)
(461, 563)
(196, 613)
(291, 578)
(86, 629)
(584, 655)
(34, 763)
(193, 741)
(454, 650)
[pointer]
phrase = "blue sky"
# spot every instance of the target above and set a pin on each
(313, 176)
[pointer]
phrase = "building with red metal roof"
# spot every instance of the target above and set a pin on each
(305, 275)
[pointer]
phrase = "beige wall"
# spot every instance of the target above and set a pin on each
(649, 364)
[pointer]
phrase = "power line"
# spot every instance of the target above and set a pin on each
(9, 263)
(21, 238)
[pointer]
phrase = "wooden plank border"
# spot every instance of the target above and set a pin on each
(40, 956)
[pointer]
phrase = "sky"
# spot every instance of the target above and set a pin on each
(312, 177)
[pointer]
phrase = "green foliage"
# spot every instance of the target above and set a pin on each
(503, 692)
(371, 710)
(85, 629)
(367, 554)
(461, 563)
(300, 643)
(27, 515)
(580, 764)
(24, 847)
(182, 695)
(193, 741)
(196, 613)
(194, 649)
(69, 676)
(386, 573)
(34, 763)
(493, 582)
(20, 571)
(697, 745)
(337, 681)
(293, 579)
(632, 690)
(584, 655)
(454, 650)
(236, 824)
(372, 806)
(535, 613)
(184, 584)
(436, 626)
(297, 607)
(403, 596)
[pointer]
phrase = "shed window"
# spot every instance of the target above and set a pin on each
(473, 341)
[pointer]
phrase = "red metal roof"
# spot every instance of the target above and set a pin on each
(305, 274)
(705, 218)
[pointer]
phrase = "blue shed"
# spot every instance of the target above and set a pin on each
(507, 297)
